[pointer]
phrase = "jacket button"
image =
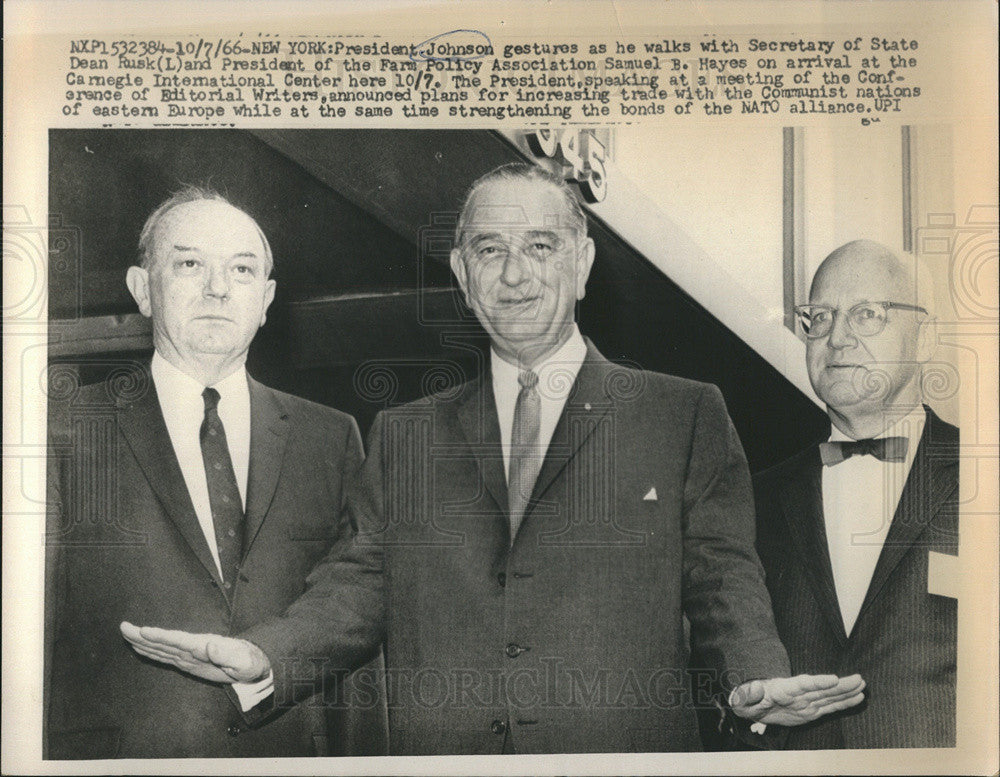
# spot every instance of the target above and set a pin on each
(234, 730)
(498, 727)
(502, 579)
(513, 651)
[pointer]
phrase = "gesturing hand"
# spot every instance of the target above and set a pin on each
(792, 701)
(209, 656)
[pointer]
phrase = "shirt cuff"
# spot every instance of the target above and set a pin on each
(252, 694)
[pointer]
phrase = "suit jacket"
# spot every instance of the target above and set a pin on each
(904, 640)
(124, 543)
(574, 637)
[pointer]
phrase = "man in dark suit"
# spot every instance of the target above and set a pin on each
(858, 535)
(147, 486)
(532, 543)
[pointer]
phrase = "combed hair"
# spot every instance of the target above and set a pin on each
(188, 194)
(525, 172)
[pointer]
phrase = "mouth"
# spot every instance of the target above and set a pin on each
(210, 317)
(513, 302)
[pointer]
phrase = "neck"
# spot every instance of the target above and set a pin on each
(207, 369)
(860, 426)
(527, 356)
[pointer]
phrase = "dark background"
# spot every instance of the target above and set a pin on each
(360, 224)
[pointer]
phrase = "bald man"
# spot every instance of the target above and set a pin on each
(856, 534)
(191, 494)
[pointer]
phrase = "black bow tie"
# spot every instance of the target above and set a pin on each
(883, 449)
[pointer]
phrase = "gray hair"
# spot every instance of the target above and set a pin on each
(188, 194)
(524, 172)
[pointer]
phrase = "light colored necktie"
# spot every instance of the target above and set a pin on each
(525, 456)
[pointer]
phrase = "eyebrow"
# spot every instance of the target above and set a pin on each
(531, 233)
(195, 249)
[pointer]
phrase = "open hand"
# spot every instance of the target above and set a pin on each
(209, 656)
(792, 701)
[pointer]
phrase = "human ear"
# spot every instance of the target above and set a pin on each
(461, 274)
(137, 280)
(584, 261)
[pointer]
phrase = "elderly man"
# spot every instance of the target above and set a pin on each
(857, 534)
(531, 541)
(188, 495)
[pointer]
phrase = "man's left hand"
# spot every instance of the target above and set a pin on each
(792, 701)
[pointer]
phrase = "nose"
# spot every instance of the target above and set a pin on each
(217, 281)
(841, 336)
(515, 272)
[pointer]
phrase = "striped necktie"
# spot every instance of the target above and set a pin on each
(525, 456)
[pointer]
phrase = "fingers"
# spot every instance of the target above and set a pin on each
(804, 683)
(842, 690)
(156, 655)
(748, 694)
(179, 640)
(842, 704)
(159, 649)
(808, 689)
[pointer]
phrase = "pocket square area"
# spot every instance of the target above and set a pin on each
(650, 495)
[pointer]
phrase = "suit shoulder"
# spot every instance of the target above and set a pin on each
(67, 399)
(310, 412)
(940, 432)
(663, 389)
(785, 470)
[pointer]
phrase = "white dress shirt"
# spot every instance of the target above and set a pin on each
(183, 411)
(556, 375)
(860, 496)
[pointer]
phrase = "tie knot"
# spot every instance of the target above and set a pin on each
(211, 397)
(527, 378)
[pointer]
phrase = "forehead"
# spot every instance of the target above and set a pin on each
(209, 226)
(516, 205)
(852, 279)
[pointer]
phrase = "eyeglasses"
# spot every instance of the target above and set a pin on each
(865, 319)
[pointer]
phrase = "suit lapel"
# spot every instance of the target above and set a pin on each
(268, 437)
(586, 405)
(801, 498)
(477, 415)
(142, 425)
(924, 492)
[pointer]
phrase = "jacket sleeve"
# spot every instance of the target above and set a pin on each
(336, 625)
(725, 599)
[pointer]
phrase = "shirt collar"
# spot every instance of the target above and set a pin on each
(172, 383)
(556, 373)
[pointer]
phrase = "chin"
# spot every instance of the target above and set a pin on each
(215, 347)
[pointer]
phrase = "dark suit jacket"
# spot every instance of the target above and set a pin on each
(904, 640)
(124, 543)
(574, 638)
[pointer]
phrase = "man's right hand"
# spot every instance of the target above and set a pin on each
(209, 656)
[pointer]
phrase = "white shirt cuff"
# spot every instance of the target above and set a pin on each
(252, 694)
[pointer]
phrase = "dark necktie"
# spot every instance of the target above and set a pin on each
(883, 449)
(525, 457)
(223, 493)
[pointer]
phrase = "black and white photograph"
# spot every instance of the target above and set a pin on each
(594, 442)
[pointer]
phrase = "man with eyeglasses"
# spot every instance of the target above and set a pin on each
(858, 534)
